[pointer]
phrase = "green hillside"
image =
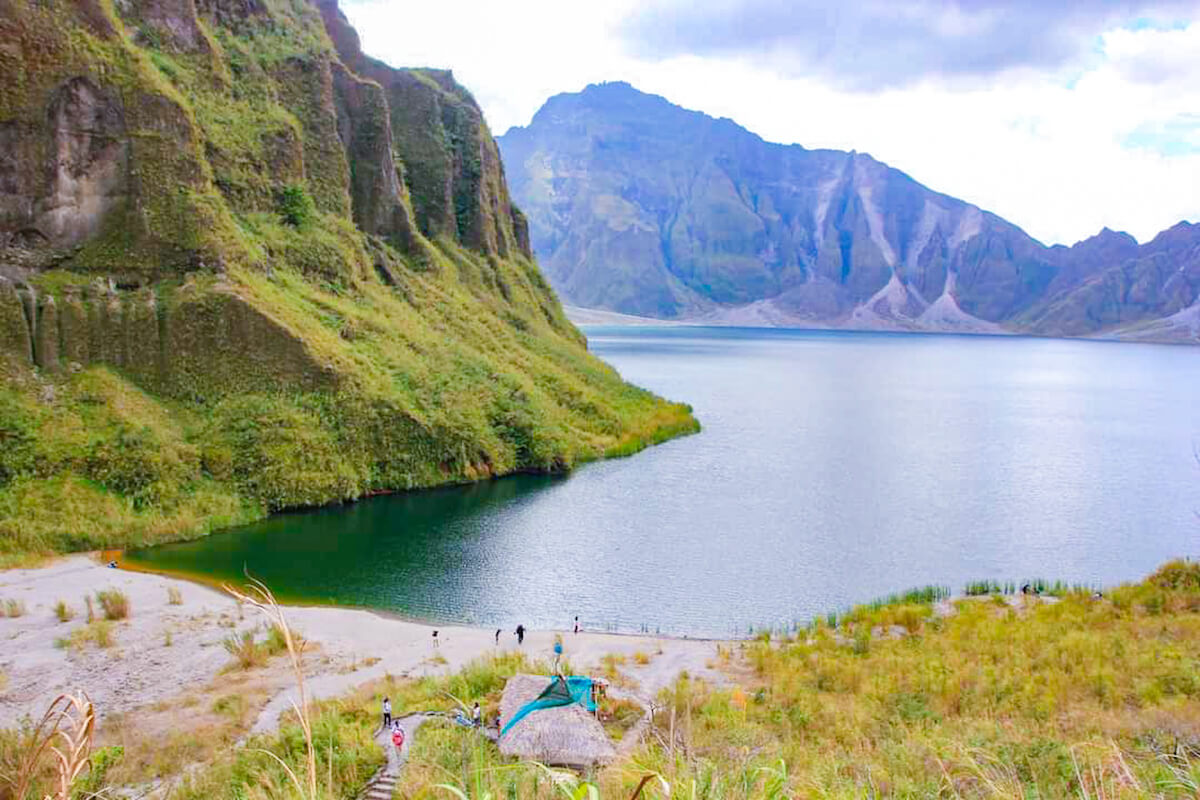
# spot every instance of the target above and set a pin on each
(236, 276)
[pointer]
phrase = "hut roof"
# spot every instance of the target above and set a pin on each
(562, 736)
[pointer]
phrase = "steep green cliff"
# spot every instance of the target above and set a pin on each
(243, 269)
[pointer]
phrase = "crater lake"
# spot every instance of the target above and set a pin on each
(833, 468)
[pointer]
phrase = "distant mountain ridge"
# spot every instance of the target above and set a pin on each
(638, 206)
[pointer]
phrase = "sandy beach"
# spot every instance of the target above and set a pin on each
(165, 650)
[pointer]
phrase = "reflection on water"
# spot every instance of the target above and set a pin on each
(833, 467)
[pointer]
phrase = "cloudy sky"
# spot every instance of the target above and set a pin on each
(1063, 117)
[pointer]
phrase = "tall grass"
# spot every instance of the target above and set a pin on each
(114, 603)
(65, 731)
(1082, 698)
(63, 612)
(249, 652)
(260, 598)
(98, 632)
(1056, 588)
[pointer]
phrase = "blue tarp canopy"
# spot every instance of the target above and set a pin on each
(560, 692)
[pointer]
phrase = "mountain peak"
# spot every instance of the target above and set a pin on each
(610, 87)
(640, 206)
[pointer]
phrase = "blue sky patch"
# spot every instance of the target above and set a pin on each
(1178, 136)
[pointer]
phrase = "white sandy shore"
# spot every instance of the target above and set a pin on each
(142, 668)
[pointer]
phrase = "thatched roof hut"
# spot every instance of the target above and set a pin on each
(563, 736)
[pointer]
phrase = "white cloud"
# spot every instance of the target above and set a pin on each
(1059, 160)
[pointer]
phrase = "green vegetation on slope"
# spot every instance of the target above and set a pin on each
(1003, 698)
(262, 325)
(436, 388)
(1080, 698)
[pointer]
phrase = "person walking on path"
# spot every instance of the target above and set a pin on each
(476, 716)
(520, 632)
(397, 736)
(577, 623)
(387, 712)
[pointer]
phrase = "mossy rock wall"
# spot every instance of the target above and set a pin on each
(102, 160)
(451, 164)
(196, 342)
(218, 343)
(15, 336)
(379, 198)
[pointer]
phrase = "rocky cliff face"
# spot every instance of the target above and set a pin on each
(453, 171)
(312, 256)
(639, 206)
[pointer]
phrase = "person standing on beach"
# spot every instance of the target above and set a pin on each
(577, 623)
(558, 651)
(435, 640)
(497, 637)
(520, 632)
(387, 712)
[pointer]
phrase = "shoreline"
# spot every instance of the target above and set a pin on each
(165, 651)
(216, 586)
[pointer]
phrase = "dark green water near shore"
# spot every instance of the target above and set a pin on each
(833, 468)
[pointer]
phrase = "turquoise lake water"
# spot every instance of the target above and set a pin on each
(833, 468)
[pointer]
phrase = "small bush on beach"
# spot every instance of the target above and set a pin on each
(249, 653)
(63, 612)
(114, 603)
(97, 632)
(174, 596)
(14, 608)
(246, 652)
(610, 662)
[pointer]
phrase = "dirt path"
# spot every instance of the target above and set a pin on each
(382, 784)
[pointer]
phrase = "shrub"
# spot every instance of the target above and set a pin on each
(295, 206)
(1177, 575)
(138, 463)
(174, 596)
(13, 608)
(92, 783)
(97, 632)
(114, 602)
(284, 454)
(276, 642)
(610, 663)
(63, 611)
(248, 652)
(101, 633)
(18, 438)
